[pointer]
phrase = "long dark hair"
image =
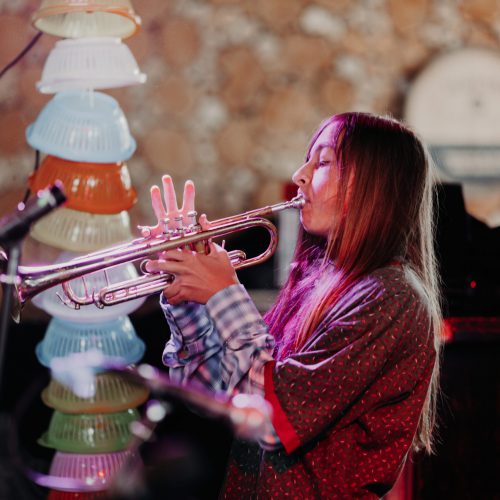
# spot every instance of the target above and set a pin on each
(385, 198)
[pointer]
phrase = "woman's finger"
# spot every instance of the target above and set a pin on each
(156, 202)
(169, 195)
(176, 255)
(165, 266)
(188, 198)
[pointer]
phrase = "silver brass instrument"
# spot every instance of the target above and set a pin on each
(33, 280)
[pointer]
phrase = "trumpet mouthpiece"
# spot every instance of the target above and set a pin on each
(298, 201)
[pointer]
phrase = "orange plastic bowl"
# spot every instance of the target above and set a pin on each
(87, 18)
(98, 188)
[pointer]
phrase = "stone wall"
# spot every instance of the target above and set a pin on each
(235, 88)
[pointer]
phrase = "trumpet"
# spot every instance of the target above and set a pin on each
(32, 280)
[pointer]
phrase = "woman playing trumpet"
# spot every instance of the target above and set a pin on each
(347, 356)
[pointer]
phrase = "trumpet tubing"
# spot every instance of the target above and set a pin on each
(34, 280)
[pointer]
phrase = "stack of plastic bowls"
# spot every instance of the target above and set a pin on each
(85, 139)
(86, 127)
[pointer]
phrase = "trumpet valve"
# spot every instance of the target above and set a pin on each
(164, 222)
(191, 216)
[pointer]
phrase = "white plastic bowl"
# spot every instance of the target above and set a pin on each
(50, 302)
(89, 63)
(82, 231)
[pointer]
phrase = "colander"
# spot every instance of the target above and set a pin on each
(78, 231)
(100, 188)
(96, 469)
(113, 393)
(116, 338)
(86, 18)
(89, 63)
(89, 433)
(50, 302)
(82, 126)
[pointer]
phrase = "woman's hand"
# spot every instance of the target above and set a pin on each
(168, 215)
(197, 276)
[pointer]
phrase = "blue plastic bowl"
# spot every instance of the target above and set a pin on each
(82, 126)
(116, 338)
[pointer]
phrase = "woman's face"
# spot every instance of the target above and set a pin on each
(317, 180)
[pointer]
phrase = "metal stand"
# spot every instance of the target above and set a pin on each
(9, 288)
(13, 481)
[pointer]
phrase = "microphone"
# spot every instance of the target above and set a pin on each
(16, 225)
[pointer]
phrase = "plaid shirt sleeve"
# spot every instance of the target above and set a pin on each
(193, 351)
(246, 342)
(222, 346)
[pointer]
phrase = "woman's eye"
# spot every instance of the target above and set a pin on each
(324, 163)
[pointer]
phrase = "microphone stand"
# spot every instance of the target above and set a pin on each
(13, 230)
(9, 280)
(13, 483)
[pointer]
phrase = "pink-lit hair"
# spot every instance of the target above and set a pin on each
(385, 198)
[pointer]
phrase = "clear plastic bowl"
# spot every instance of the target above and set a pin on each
(87, 18)
(82, 231)
(89, 433)
(50, 302)
(89, 63)
(97, 470)
(116, 338)
(113, 393)
(99, 188)
(82, 126)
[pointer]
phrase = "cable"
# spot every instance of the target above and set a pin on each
(21, 54)
(35, 168)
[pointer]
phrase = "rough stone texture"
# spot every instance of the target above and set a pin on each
(168, 150)
(243, 79)
(409, 15)
(480, 10)
(235, 143)
(175, 95)
(303, 56)
(235, 89)
(278, 15)
(181, 42)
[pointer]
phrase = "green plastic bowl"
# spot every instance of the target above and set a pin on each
(89, 433)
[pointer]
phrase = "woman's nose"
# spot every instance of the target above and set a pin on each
(301, 176)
